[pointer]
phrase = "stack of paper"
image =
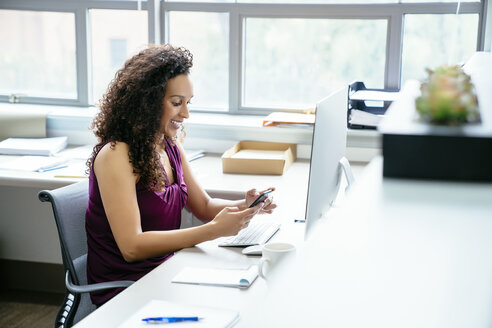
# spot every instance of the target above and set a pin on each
(361, 117)
(240, 278)
(33, 146)
(289, 119)
(208, 317)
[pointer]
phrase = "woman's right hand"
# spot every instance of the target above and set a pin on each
(231, 220)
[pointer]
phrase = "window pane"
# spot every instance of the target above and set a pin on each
(37, 56)
(293, 63)
(433, 40)
(210, 49)
(116, 36)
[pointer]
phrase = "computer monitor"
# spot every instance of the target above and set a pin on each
(327, 154)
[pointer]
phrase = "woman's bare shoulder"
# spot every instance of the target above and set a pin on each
(113, 156)
(116, 149)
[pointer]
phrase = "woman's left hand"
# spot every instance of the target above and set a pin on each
(268, 205)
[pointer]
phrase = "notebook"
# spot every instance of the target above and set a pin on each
(33, 146)
(209, 317)
(239, 278)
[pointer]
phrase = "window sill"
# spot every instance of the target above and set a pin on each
(210, 132)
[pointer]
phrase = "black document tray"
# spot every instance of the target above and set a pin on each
(358, 100)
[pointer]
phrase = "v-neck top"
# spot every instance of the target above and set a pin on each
(159, 210)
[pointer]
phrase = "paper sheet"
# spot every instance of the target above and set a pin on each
(32, 163)
(211, 317)
(374, 95)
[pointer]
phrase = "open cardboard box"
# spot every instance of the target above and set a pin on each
(254, 157)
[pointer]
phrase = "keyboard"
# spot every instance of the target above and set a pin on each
(256, 233)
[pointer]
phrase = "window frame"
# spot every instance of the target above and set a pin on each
(80, 8)
(157, 29)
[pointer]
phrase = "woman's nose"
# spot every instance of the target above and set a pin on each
(186, 111)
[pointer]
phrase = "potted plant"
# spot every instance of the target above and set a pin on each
(448, 97)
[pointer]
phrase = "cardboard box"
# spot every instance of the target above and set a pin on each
(253, 157)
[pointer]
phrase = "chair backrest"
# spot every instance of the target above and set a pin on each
(69, 206)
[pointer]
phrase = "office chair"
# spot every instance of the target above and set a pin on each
(69, 205)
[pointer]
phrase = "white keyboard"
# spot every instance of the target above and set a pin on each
(256, 233)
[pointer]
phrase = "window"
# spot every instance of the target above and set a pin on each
(433, 40)
(250, 56)
(210, 49)
(289, 54)
(116, 36)
(37, 56)
(293, 63)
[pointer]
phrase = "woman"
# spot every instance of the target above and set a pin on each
(139, 177)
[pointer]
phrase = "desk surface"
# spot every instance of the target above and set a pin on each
(42, 180)
(408, 254)
(400, 253)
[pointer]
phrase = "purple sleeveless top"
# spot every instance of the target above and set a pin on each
(159, 210)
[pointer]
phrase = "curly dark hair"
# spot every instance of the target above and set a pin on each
(131, 108)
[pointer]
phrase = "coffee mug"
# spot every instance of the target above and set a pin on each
(273, 253)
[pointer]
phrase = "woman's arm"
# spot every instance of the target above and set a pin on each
(206, 208)
(199, 202)
(117, 185)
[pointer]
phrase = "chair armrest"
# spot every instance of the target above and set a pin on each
(78, 289)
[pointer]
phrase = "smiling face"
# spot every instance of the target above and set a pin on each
(179, 92)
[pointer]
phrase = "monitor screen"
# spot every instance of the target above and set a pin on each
(328, 148)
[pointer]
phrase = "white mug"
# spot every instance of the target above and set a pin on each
(273, 253)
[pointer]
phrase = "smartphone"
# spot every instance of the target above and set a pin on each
(260, 198)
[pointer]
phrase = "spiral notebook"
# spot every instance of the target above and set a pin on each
(239, 278)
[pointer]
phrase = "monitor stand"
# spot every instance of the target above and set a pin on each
(344, 163)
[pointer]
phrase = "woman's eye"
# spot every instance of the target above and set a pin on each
(176, 104)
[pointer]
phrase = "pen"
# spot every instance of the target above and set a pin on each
(53, 168)
(169, 319)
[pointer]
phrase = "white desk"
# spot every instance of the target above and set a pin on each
(41, 180)
(399, 254)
